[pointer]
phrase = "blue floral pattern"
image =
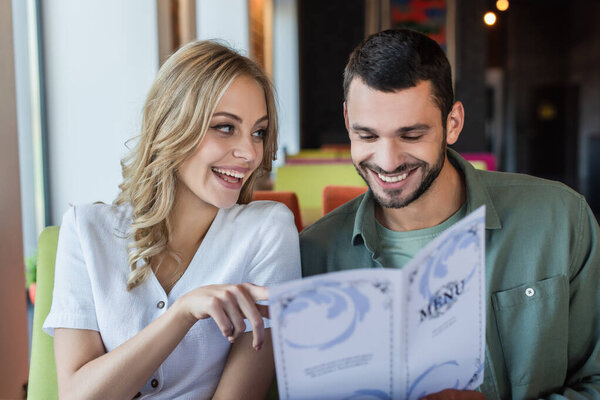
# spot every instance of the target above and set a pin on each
(338, 299)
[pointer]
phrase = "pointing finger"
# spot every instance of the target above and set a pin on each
(257, 292)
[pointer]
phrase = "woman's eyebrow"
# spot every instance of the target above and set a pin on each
(227, 114)
(261, 119)
(233, 116)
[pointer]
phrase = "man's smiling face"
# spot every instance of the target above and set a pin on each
(398, 140)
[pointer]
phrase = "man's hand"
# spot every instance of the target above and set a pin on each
(453, 394)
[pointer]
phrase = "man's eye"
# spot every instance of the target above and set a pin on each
(413, 138)
(225, 128)
(366, 137)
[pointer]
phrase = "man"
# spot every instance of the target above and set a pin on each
(542, 240)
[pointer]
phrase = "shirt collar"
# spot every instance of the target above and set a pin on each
(364, 222)
(477, 195)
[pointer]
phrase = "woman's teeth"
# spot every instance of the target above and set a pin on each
(227, 174)
(396, 178)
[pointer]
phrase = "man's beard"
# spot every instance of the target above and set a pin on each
(394, 200)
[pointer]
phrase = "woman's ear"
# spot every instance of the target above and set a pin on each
(455, 122)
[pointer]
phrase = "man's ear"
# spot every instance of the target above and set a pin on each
(455, 122)
(346, 117)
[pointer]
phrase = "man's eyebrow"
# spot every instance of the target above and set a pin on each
(404, 129)
(416, 127)
(226, 114)
(357, 127)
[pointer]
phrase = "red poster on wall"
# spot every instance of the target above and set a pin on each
(426, 16)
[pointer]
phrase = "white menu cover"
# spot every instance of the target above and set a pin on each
(386, 333)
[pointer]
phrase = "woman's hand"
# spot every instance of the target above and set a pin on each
(228, 305)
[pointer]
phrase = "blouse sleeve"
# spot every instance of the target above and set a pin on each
(72, 299)
(277, 258)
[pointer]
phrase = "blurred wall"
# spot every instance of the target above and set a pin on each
(584, 71)
(26, 88)
(553, 58)
(469, 73)
(533, 42)
(224, 19)
(100, 59)
(13, 323)
(328, 31)
(285, 75)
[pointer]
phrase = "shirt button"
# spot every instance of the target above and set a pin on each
(160, 304)
(529, 292)
(154, 383)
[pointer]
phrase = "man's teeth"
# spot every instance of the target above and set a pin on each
(396, 178)
(234, 174)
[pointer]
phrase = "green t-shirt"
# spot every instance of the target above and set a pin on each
(398, 248)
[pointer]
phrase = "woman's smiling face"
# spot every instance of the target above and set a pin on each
(232, 148)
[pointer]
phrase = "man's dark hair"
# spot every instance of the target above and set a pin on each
(398, 59)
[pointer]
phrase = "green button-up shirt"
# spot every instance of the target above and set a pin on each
(542, 279)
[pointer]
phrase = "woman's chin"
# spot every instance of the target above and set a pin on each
(226, 202)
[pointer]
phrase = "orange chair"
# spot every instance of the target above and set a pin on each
(334, 196)
(288, 198)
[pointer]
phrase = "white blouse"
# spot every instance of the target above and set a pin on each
(255, 243)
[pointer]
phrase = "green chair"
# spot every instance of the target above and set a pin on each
(42, 370)
(308, 181)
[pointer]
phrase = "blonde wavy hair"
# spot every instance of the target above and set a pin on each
(177, 114)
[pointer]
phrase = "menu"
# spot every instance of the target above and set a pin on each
(371, 333)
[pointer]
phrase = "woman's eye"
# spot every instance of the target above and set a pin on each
(225, 128)
(261, 133)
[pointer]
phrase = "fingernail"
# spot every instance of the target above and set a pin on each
(231, 339)
(258, 347)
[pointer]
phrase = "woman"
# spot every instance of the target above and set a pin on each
(150, 294)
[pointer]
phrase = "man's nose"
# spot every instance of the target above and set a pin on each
(389, 155)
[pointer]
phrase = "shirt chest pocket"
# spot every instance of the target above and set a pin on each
(533, 323)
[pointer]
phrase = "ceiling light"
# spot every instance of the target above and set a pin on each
(502, 5)
(489, 18)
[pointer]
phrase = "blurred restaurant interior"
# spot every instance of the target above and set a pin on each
(74, 75)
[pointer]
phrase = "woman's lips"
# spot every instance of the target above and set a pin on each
(228, 177)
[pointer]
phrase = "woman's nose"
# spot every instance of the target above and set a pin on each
(245, 148)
